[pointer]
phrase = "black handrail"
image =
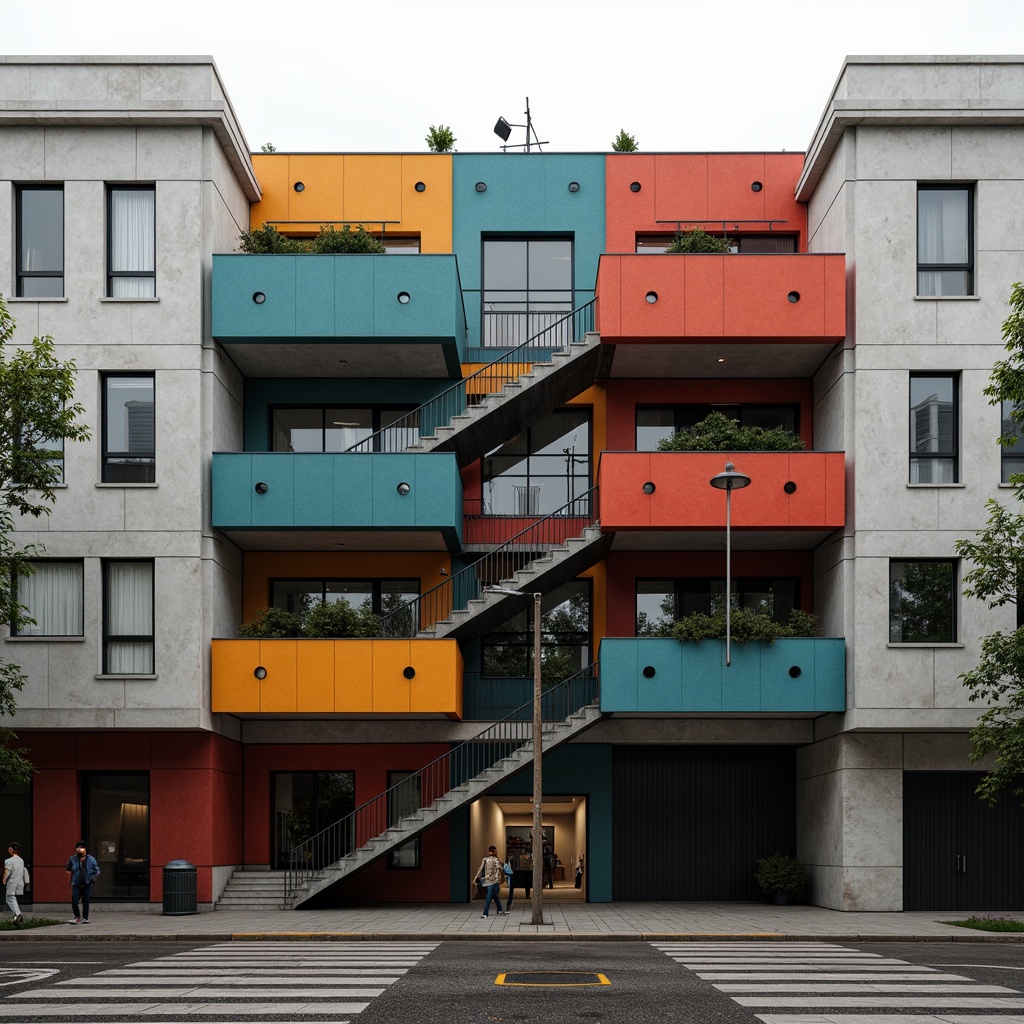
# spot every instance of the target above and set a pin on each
(434, 782)
(488, 380)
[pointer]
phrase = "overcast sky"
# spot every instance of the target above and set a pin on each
(372, 75)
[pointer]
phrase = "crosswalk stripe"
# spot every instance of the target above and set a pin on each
(892, 1002)
(893, 1018)
(859, 987)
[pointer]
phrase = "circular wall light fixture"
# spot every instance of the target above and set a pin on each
(649, 672)
(262, 488)
(420, 186)
(652, 297)
(756, 186)
(795, 672)
(649, 487)
(634, 186)
(574, 186)
(793, 296)
(409, 672)
(481, 186)
(403, 297)
(789, 487)
(259, 298)
(299, 186)
(260, 672)
(403, 488)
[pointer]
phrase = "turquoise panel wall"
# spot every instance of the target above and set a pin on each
(658, 675)
(527, 194)
(582, 769)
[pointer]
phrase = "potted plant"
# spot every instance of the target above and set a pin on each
(781, 876)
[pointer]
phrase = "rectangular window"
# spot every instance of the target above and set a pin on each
(128, 618)
(921, 601)
(53, 598)
(771, 243)
(40, 241)
(340, 429)
(131, 241)
(934, 429)
(1013, 455)
(659, 603)
(304, 804)
(945, 240)
(129, 429)
(115, 807)
(656, 423)
(404, 798)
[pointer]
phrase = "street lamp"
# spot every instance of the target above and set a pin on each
(536, 897)
(729, 481)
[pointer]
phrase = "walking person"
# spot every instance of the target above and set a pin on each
(82, 870)
(15, 877)
(490, 873)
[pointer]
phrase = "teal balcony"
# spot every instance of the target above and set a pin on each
(793, 676)
(340, 316)
(289, 501)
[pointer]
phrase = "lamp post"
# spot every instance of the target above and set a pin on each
(537, 885)
(729, 481)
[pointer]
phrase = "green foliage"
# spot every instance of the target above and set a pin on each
(920, 602)
(780, 873)
(624, 142)
(698, 240)
(440, 139)
(272, 624)
(1006, 382)
(323, 620)
(268, 147)
(38, 416)
(330, 240)
(7, 923)
(989, 923)
(746, 626)
(717, 433)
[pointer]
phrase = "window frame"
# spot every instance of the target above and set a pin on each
(954, 624)
(377, 412)
(919, 458)
(412, 847)
(376, 582)
(21, 274)
(133, 275)
(681, 420)
(108, 638)
(108, 458)
(1011, 457)
(968, 266)
(27, 631)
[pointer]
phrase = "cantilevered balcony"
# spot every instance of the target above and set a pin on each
(664, 499)
(375, 677)
(314, 501)
(794, 676)
(772, 315)
(340, 316)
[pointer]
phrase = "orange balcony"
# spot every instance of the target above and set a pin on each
(789, 491)
(374, 677)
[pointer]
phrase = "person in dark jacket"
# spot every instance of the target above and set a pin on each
(82, 871)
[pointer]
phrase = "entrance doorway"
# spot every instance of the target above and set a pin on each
(305, 803)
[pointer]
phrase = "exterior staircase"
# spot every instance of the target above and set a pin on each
(253, 889)
(463, 775)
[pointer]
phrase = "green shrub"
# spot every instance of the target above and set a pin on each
(338, 620)
(746, 626)
(330, 240)
(271, 624)
(987, 923)
(440, 139)
(717, 433)
(698, 240)
(780, 873)
(267, 239)
(624, 142)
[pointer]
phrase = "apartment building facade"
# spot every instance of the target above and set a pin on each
(430, 435)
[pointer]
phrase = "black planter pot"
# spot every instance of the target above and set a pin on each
(784, 899)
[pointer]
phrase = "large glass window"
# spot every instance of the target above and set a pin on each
(305, 803)
(378, 596)
(53, 597)
(921, 601)
(565, 638)
(128, 618)
(1012, 456)
(131, 241)
(933, 429)
(404, 798)
(774, 242)
(659, 603)
(527, 286)
(40, 241)
(945, 243)
(338, 429)
(116, 811)
(656, 423)
(129, 428)
(542, 469)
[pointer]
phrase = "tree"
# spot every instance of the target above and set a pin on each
(997, 577)
(36, 392)
(624, 142)
(440, 139)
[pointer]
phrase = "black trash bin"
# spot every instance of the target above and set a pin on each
(180, 888)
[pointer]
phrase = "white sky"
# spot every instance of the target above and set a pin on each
(372, 75)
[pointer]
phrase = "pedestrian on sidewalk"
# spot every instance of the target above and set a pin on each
(15, 877)
(82, 870)
(490, 874)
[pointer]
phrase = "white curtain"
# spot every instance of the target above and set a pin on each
(942, 238)
(53, 595)
(133, 242)
(130, 613)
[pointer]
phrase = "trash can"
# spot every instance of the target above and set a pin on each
(180, 888)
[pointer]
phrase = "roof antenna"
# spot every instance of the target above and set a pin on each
(503, 130)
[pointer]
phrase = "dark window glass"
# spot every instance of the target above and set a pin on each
(1012, 455)
(659, 603)
(128, 618)
(921, 602)
(306, 803)
(129, 429)
(131, 242)
(384, 597)
(116, 811)
(312, 429)
(40, 243)
(945, 244)
(404, 798)
(741, 243)
(933, 429)
(655, 423)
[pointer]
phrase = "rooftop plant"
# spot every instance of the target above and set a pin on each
(329, 240)
(624, 142)
(717, 433)
(698, 240)
(440, 139)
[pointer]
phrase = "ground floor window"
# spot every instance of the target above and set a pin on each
(306, 803)
(116, 827)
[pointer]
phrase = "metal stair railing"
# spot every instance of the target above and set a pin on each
(462, 764)
(455, 593)
(488, 380)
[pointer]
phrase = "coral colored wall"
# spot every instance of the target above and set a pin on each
(371, 764)
(626, 567)
(701, 187)
(195, 783)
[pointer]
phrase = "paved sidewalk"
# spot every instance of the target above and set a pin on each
(563, 922)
